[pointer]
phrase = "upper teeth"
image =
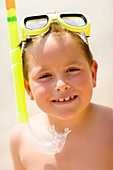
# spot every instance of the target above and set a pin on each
(65, 99)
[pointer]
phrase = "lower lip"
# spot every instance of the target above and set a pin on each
(65, 102)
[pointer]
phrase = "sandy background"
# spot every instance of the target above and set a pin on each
(101, 42)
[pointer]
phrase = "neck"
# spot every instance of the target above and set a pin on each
(79, 120)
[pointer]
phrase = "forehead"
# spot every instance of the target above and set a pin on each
(54, 48)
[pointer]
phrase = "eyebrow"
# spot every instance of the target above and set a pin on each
(38, 71)
(75, 62)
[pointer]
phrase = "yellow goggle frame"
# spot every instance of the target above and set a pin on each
(57, 17)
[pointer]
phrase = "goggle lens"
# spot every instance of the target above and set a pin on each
(74, 21)
(36, 24)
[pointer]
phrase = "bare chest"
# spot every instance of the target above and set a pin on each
(94, 156)
(88, 149)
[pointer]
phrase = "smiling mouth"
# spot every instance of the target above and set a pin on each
(65, 99)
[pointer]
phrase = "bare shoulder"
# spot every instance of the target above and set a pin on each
(15, 140)
(103, 109)
(14, 135)
(105, 114)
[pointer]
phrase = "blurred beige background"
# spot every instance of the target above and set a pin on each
(101, 43)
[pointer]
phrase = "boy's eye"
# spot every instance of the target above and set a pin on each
(45, 76)
(72, 70)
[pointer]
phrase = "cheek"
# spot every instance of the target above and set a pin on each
(39, 90)
(83, 81)
(41, 94)
(83, 86)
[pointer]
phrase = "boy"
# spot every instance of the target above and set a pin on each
(60, 75)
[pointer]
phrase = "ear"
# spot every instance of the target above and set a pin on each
(28, 89)
(94, 69)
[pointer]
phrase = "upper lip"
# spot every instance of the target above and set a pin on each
(63, 97)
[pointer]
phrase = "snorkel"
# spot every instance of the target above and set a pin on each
(59, 139)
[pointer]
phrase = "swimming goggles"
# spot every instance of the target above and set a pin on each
(40, 24)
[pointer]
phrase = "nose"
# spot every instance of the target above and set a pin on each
(61, 85)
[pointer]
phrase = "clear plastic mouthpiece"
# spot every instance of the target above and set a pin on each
(46, 147)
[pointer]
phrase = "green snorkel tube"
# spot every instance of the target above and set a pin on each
(58, 142)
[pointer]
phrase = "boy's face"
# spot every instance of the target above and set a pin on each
(60, 78)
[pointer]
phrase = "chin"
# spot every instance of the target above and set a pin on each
(65, 115)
